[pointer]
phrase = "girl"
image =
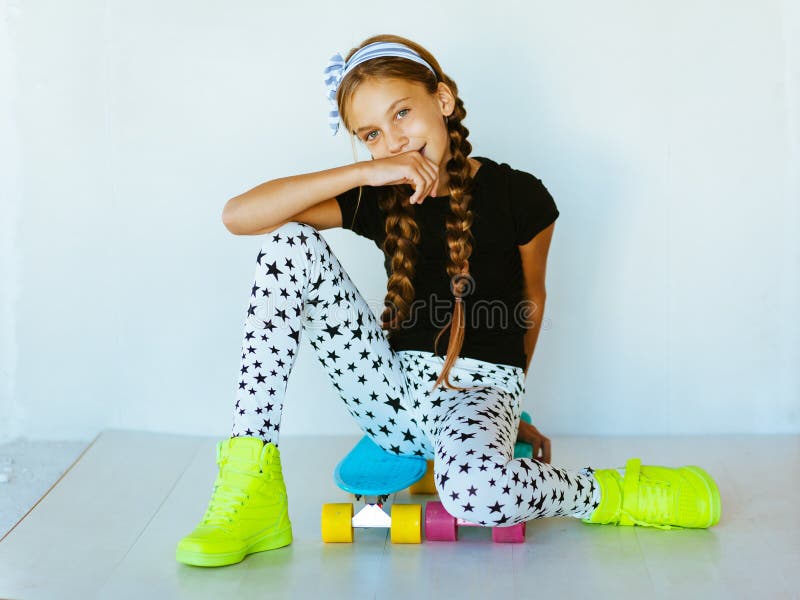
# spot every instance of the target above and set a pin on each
(459, 234)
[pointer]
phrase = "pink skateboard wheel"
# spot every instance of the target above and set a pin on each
(440, 525)
(514, 534)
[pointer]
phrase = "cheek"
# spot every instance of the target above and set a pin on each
(380, 149)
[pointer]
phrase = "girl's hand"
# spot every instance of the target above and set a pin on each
(410, 168)
(530, 435)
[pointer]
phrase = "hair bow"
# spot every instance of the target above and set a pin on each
(333, 75)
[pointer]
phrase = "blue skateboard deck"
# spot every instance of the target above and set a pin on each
(369, 470)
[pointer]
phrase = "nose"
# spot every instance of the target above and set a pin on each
(396, 141)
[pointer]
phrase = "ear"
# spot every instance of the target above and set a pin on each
(445, 99)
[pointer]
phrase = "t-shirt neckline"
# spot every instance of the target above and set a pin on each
(481, 159)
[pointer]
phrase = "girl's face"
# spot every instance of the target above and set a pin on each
(392, 116)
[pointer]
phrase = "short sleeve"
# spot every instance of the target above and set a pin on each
(367, 220)
(532, 207)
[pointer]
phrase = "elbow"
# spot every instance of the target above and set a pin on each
(535, 301)
(229, 217)
(537, 292)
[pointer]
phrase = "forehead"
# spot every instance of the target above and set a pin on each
(373, 97)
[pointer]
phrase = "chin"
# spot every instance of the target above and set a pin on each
(430, 155)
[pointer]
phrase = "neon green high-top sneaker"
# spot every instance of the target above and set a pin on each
(662, 497)
(248, 511)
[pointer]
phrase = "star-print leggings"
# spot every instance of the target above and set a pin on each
(301, 289)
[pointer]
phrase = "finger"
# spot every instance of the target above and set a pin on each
(431, 174)
(415, 195)
(421, 187)
(531, 435)
(430, 167)
(434, 187)
(536, 448)
(547, 450)
(433, 165)
(434, 183)
(421, 177)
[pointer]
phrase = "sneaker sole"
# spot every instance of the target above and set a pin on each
(713, 492)
(207, 559)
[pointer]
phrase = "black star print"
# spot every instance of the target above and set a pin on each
(395, 404)
(495, 507)
(274, 270)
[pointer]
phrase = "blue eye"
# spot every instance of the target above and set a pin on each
(367, 137)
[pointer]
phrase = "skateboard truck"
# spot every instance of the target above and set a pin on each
(372, 515)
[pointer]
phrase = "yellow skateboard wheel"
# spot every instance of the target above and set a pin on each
(337, 522)
(406, 524)
(426, 485)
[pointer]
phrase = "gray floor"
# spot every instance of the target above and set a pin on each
(27, 470)
(108, 529)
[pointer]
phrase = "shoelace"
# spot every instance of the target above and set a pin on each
(226, 499)
(224, 504)
(653, 502)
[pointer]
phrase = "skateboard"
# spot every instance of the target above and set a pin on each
(370, 472)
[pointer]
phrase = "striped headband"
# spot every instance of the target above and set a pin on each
(337, 69)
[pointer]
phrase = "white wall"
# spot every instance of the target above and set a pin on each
(667, 133)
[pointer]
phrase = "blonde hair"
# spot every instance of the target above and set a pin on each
(402, 231)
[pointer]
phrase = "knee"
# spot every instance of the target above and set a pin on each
(296, 227)
(466, 492)
(291, 228)
(292, 236)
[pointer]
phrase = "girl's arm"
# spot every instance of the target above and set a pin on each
(309, 198)
(534, 265)
(532, 334)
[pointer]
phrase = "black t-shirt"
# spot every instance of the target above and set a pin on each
(509, 208)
